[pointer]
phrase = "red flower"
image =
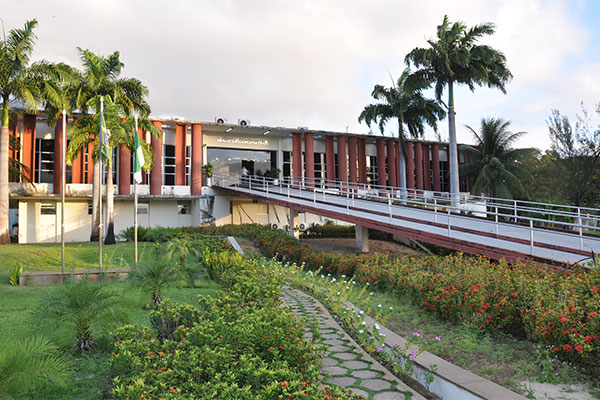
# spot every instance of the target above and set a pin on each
(579, 348)
(284, 384)
(567, 347)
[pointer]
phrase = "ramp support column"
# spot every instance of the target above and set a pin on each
(362, 238)
(292, 223)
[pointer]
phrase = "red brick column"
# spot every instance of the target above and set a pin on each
(426, 167)
(196, 167)
(180, 142)
(124, 171)
(410, 166)
(28, 146)
(342, 163)
(362, 161)
(58, 160)
(329, 158)
(435, 160)
(309, 157)
(419, 165)
(381, 178)
(297, 157)
(156, 173)
(352, 159)
(392, 163)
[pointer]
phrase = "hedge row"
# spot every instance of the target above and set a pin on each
(239, 345)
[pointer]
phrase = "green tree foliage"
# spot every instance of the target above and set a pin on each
(29, 364)
(576, 156)
(497, 169)
(155, 274)
(79, 313)
(455, 57)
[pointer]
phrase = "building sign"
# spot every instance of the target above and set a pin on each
(242, 141)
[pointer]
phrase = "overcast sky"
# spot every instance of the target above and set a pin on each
(314, 62)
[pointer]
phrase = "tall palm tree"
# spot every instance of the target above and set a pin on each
(19, 81)
(497, 169)
(100, 76)
(405, 102)
(455, 57)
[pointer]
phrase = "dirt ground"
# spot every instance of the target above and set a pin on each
(348, 246)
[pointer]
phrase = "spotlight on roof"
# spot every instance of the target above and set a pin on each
(243, 122)
(220, 120)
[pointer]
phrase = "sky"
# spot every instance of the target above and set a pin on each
(313, 63)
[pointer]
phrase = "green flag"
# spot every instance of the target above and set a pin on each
(105, 149)
(139, 161)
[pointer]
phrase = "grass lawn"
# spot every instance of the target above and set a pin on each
(91, 371)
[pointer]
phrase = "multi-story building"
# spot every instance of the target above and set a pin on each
(174, 193)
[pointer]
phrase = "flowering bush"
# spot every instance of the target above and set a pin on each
(239, 345)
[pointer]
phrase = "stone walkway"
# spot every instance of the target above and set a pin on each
(344, 363)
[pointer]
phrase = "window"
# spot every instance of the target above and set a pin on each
(48, 209)
(168, 165)
(90, 208)
(184, 207)
(287, 164)
(44, 160)
(372, 170)
(143, 208)
(188, 163)
(319, 166)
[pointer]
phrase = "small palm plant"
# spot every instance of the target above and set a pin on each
(79, 313)
(155, 275)
(28, 364)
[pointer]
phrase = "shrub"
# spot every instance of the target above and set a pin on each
(15, 274)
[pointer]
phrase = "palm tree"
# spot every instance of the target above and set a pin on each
(100, 76)
(28, 364)
(79, 313)
(496, 168)
(19, 81)
(455, 57)
(405, 102)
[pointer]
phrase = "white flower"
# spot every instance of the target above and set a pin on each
(363, 323)
(378, 305)
(376, 326)
(361, 331)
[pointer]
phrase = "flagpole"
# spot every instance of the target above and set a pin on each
(63, 188)
(101, 142)
(135, 203)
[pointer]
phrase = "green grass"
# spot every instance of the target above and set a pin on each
(500, 358)
(91, 371)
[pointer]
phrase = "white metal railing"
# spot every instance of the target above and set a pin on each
(533, 216)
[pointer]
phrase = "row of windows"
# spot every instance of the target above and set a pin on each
(184, 207)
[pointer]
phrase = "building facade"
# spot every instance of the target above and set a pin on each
(175, 193)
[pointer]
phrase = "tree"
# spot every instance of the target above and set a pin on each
(79, 313)
(100, 77)
(155, 274)
(405, 102)
(455, 57)
(496, 168)
(578, 156)
(28, 364)
(19, 81)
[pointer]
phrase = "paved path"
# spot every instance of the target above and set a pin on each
(345, 364)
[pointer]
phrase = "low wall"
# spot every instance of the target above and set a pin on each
(55, 277)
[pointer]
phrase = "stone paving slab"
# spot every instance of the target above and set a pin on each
(345, 363)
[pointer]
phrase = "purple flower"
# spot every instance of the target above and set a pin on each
(379, 349)
(438, 338)
(393, 345)
(416, 334)
(413, 355)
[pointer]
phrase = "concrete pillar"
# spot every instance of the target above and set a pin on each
(329, 158)
(90, 163)
(392, 163)
(410, 166)
(419, 165)
(362, 238)
(342, 164)
(58, 160)
(381, 178)
(309, 157)
(180, 144)
(28, 146)
(124, 171)
(156, 173)
(435, 160)
(196, 167)
(292, 223)
(362, 161)
(352, 178)
(297, 157)
(426, 168)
